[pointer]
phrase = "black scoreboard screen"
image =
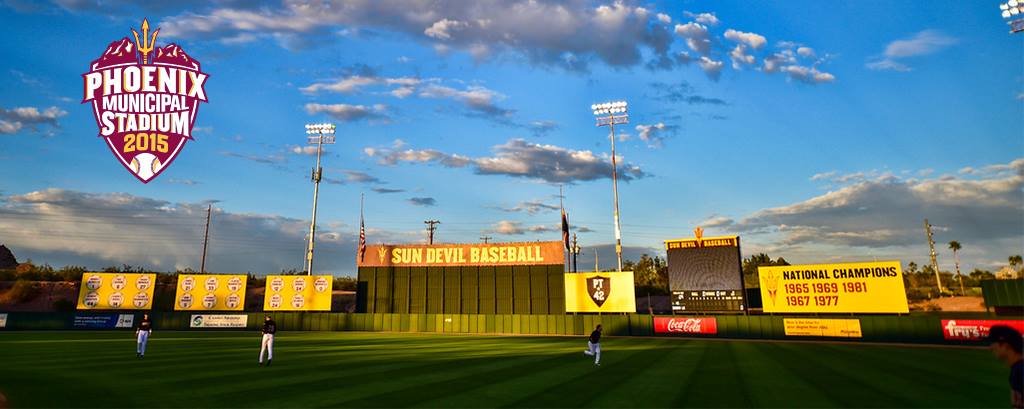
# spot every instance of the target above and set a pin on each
(705, 274)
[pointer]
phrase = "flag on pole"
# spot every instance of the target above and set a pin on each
(362, 232)
(565, 229)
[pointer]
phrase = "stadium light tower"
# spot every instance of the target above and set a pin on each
(610, 114)
(319, 134)
(1014, 9)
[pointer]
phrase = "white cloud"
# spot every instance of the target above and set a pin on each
(696, 36)
(519, 158)
(703, 18)
(740, 57)
(348, 113)
(13, 120)
(712, 68)
(754, 40)
(664, 18)
(923, 43)
(654, 135)
(443, 28)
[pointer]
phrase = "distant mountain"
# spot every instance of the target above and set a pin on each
(175, 55)
(7, 260)
(118, 52)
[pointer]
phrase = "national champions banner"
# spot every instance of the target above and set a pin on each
(870, 287)
(600, 292)
(116, 291)
(298, 293)
(210, 292)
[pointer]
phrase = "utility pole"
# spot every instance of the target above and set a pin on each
(935, 263)
(206, 239)
(324, 133)
(596, 268)
(431, 226)
(486, 239)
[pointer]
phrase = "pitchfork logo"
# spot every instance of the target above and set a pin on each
(145, 99)
(599, 287)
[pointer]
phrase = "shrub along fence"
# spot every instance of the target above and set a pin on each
(926, 329)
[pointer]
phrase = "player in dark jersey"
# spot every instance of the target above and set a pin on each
(142, 335)
(594, 345)
(269, 329)
(1007, 345)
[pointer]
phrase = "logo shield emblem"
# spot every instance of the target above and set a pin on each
(599, 288)
(145, 100)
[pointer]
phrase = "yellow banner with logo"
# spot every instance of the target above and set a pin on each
(298, 293)
(816, 327)
(600, 292)
(116, 291)
(210, 292)
(869, 287)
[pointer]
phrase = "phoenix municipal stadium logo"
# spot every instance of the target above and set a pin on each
(145, 99)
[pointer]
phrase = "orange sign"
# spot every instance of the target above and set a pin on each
(492, 254)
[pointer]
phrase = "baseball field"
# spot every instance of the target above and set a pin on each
(345, 369)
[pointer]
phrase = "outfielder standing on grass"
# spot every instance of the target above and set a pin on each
(142, 335)
(594, 345)
(269, 329)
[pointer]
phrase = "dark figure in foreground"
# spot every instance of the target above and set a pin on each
(269, 329)
(1007, 344)
(594, 345)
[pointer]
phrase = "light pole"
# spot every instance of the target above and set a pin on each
(575, 250)
(611, 114)
(1014, 9)
(318, 134)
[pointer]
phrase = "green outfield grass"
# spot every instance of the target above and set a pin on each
(344, 369)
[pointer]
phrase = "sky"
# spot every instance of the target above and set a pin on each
(816, 131)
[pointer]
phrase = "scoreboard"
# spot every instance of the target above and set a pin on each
(705, 274)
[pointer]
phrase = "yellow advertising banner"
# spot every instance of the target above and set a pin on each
(116, 291)
(817, 327)
(869, 287)
(491, 254)
(600, 292)
(298, 293)
(210, 292)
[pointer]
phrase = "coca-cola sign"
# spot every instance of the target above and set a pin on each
(680, 325)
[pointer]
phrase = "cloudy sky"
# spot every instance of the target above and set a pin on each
(818, 131)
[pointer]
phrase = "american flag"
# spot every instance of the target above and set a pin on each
(362, 239)
(565, 229)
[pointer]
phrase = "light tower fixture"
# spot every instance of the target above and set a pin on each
(610, 114)
(1013, 9)
(320, 134)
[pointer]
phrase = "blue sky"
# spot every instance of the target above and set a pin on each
(816, 131)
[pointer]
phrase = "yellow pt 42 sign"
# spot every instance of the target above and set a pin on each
(869, 287)
(600, 292)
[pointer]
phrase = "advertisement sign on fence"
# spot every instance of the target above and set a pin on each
(116, 291)
(298, 293)
(218, 321)
(3, 320)
(104, 321)
(683, 326)
(871, 287)
(814, 327)
(210, 292)
(975, 330)
(491, 254)
(600, 292)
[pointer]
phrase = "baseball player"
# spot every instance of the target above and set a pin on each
(594, 346)
(142, 335)
(269, 329)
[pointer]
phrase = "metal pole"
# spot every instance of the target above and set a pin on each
(317, 173)
(615, 190)
(206, 239)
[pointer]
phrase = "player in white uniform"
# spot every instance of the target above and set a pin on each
(594, 345)
(269, 329)
(142, 335)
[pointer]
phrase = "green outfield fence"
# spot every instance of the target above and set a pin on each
(925, 329)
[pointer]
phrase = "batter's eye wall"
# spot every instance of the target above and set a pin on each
(528, 289)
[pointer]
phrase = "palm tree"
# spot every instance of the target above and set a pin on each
(1015, 261)
(955, 246)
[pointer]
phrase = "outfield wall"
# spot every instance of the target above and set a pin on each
(927, 329)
